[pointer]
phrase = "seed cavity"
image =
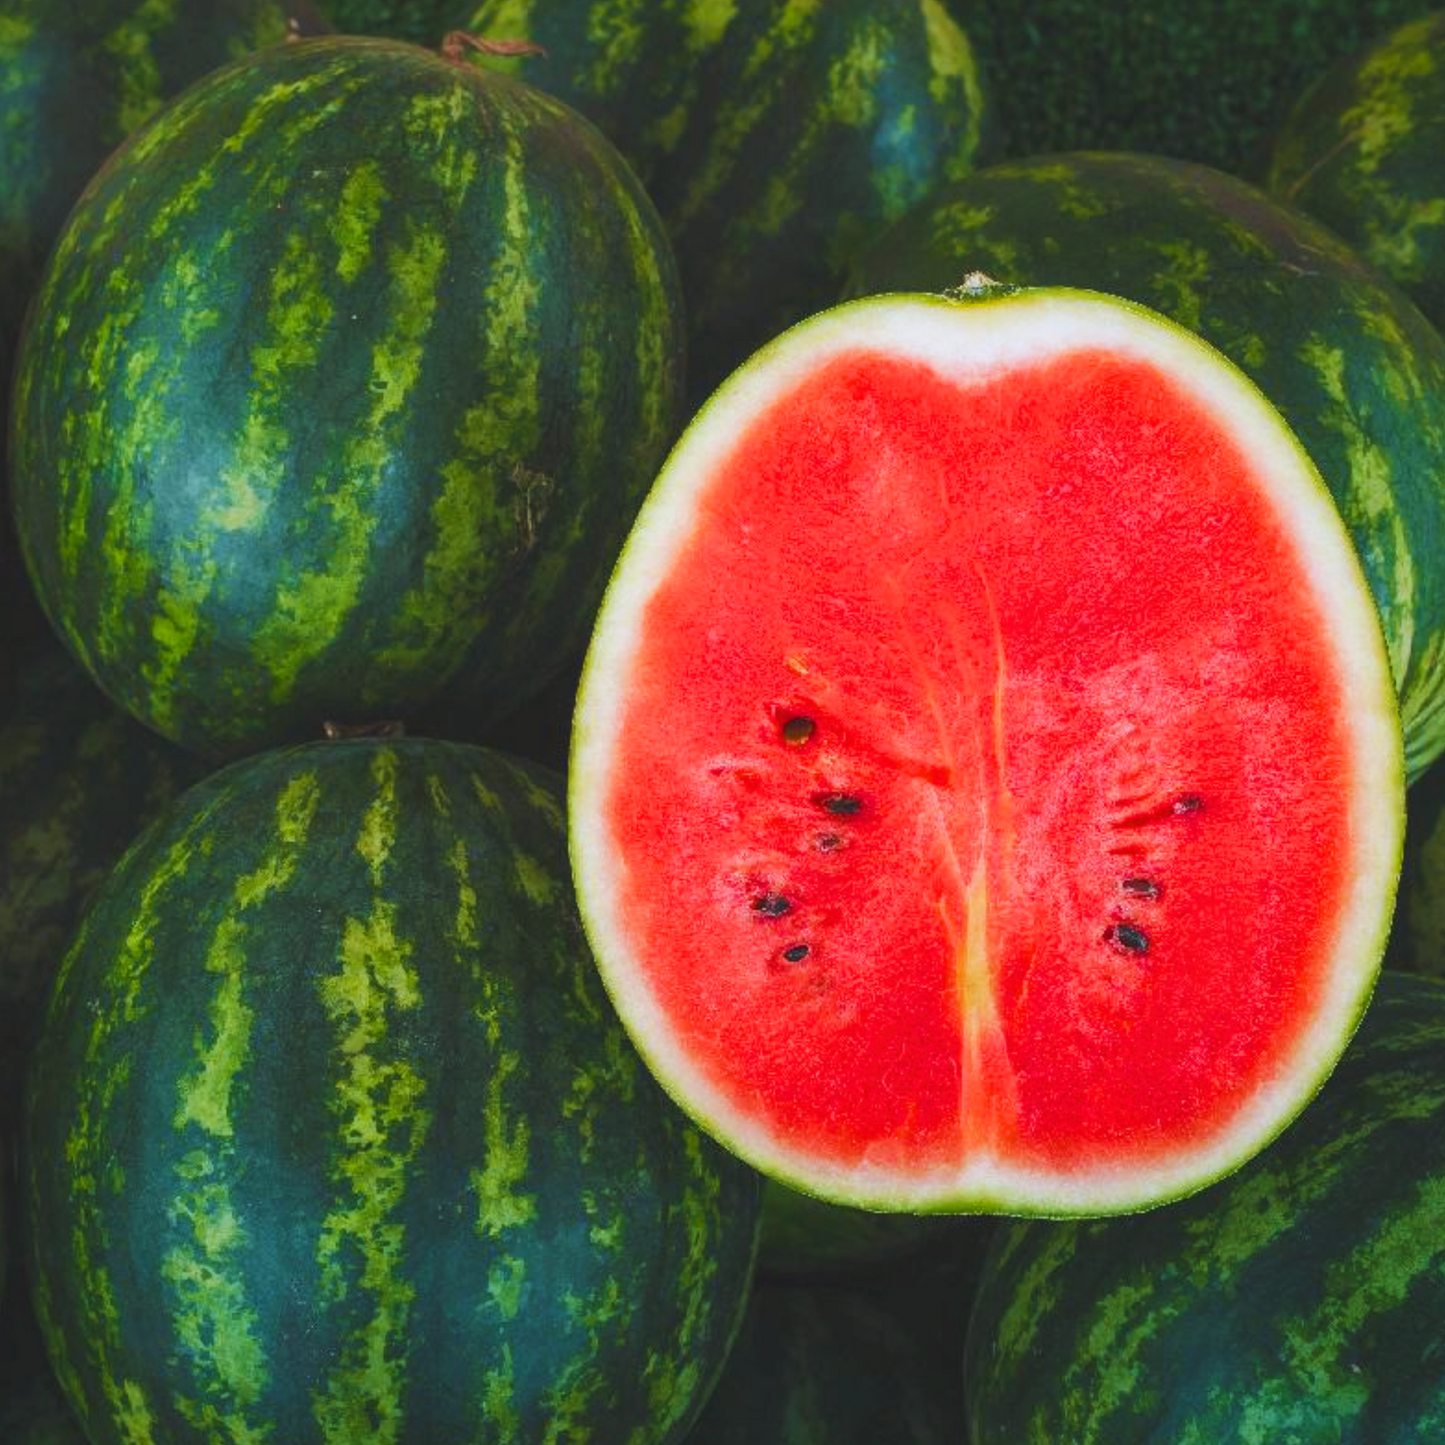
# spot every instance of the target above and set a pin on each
(797, 953)
(771, 905)
(827, 842)
(1141, 887)
(798, 730)
(844, 805)
(1127, 937)
(1189, 803)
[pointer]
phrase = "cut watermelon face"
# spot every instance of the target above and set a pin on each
(986, 782)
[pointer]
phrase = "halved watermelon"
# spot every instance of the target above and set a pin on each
(986, 781)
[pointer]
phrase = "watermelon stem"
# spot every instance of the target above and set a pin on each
(456, 43)
(390, 728)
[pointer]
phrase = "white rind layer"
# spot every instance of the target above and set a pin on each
(973, 338)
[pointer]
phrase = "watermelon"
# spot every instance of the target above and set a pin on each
(78, 780)
(77, 78)
(774, 136)
(986, 783)
(340, 393)
(820, 1366)
(1351, 364)
(1363, 149)
(1298, 1302)
(390, 1171)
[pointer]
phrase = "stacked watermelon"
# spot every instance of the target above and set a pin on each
(392, 1088)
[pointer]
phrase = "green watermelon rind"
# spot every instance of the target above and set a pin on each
(659, 532)
(1296, 1302)
(341, 430)
(775, 139)
(390, 1167)
(1360, 150)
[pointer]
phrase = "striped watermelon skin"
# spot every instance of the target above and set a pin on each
(342, 388)
(1363, 149)
(79, 779)
(774, 135)
(333, 1136)
(1295, 1303)
(1350, 363)
(76, 79)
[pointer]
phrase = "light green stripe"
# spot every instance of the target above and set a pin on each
(1366, 495)
(485, 515)
(499, 1403)
(311, 610)
(705, 23)
(381, 1129)
(94, 1176)
(378, 826)
(131, 47)
(363, 199)
(205, 1092)
(501, 1205)
(753, 102)
(617, 33)
(955, 70)
(213, 1322)
(673, 1374)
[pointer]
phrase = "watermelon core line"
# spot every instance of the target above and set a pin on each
(1048, 637)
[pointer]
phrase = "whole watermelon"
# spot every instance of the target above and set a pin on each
(1295, 1303)
(77, 78)
(775, 137)
(1345, 357)
(333, 1136)
(342, 387)
(1363, 149)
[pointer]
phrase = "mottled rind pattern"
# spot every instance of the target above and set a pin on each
(1363, 149)
(1350, 363)
(776, 136)
(76, 79)
(335, 1135)
(343, 386)
(1287, 1305)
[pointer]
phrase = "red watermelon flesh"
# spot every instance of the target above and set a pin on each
(986, 784)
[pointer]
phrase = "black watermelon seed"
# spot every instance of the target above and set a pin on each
(797, 730)
(1189, 803)
(843, 804)
(797, 953)
(1140, 887)
(771, 905)
(1128, 937)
